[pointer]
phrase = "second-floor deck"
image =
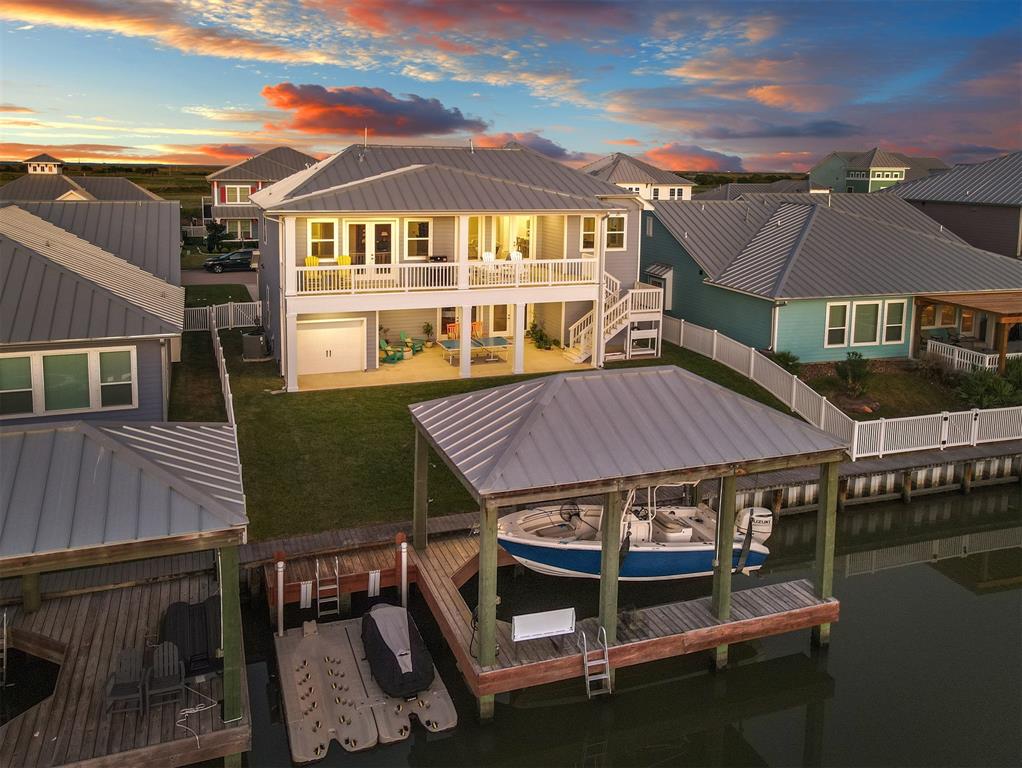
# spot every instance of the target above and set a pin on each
(331, 278)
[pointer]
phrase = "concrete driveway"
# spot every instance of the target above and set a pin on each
(250, 279)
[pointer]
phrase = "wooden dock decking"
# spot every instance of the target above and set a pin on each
(644, 635)
(84, 633)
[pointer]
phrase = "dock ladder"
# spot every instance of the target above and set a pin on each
(328, 590)
(597, 671)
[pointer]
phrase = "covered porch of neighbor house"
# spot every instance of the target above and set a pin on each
(971, 330)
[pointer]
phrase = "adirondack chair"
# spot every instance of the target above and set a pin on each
(390, 355)
(124, 686)
(415, 345)
(165, 680)
(453, 330)
(313, 279)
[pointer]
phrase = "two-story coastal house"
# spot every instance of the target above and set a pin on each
(480, 245)
(871, 171)
(645, 180)
(45, 179)
(231, 187)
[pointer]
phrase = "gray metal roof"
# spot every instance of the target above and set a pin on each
(437, 188)
(658, 269)
(114, 188)
(55, 286)
(236, 212)
(53, 186)
(919, 167)
(761, 266)
(995, 182)
(146, 234)
(736, 189)
(619, 168)
(596, 426)
(877, 158)
(272, 165)
(510, 163)
(75, 486)
(43, 158)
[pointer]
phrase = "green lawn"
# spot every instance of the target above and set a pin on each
(320, 460)
(204, 295)
(192, 257)
(195, 393)
(900, 393)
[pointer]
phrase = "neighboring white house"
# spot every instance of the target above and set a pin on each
(645, 180)
(377, 241)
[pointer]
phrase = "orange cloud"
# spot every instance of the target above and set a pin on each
(14, 108)
(690, 157)
(719, 67)
(172, 154)
(624, 142)
(160, 21)
(800, 98)
(443, 44)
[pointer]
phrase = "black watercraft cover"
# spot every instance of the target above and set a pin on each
(399, 660)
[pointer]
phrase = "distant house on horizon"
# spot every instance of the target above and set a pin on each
(871, 171)
(231, 187)
(735, 190)
(45, 180)
(641, 178)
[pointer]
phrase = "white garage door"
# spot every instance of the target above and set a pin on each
(331, 346)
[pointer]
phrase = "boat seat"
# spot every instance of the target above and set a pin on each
(671, 529)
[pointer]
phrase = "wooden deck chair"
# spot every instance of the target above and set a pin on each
(313, 280)
(165, 679)
(390, 355)
(477, 329)
(488, 256)
(515, 256)
(453, 330)
(124, 686)
(413, 344)
(344, 275)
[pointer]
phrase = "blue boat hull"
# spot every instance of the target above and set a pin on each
(640, 564)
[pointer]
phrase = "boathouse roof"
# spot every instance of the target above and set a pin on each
(594, 431)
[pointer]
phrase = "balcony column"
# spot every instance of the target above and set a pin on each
(519, 364)
(462, 252)
(287, 246)
(465, 341)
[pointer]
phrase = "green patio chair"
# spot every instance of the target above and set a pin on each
(390, 355)
(415, 344)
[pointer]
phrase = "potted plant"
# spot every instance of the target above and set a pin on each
(427, 331)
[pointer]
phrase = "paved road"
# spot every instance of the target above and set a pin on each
(202, 277)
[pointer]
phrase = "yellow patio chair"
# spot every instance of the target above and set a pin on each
(344, 275)
(313, 281)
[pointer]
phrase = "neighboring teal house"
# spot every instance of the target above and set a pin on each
(815, 275)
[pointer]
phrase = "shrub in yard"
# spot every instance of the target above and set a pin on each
(539, 337)
(1013, 373)
(985, 389)
(788, 361)
(215, 233)
(854, 371)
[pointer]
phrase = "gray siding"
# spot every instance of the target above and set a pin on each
(270, 283)
(573, 312)
(550, 236)
(996, 228)
(408, 320)
(444, 237)
(149, 358)
(624, 265)
(574, 225)
(548, 317)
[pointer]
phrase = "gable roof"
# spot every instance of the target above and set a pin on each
(43, 158)
(78, 486)
(58, 287)
(146, 234)
(272, 165)
(810, 250)
(513, 163)
(433, 189)
(599, 426)
(877, 158)
(619, 168)
(994, 182)
(734, 190)
(915, 166)
(53, 186)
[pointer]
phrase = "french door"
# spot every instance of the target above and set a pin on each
(371, 242)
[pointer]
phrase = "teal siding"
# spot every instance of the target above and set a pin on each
(801, 326)
(743, 318)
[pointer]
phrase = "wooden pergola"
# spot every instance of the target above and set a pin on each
(492, 441)
(1003, 307)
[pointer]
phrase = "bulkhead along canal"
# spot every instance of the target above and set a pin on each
(924, 666)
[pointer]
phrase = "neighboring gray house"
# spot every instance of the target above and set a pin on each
(868, 171)
(379, 240)
(736, 189)
(231, 187)
(645, 180)
(84, 334)
(982, 203)
(45, 180)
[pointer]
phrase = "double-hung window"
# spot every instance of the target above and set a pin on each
(239, 229)
(236, 194)
(656, 193)
(866, 323)
(894, 321)
(615, 233)
(677, 193)
(322, 237)
(588, 239)
(417, 240)
(837, 325)
(41, 383)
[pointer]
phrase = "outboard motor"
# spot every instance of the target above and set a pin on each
(762, 520)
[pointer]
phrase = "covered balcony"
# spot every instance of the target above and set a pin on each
(969, 331)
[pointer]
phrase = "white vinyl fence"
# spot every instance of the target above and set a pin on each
(231, 315)
(877, 437)
(961, 359)
(221, 363)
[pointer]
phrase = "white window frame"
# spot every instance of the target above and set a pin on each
(624, 232)
(655, 194)
(665, 285)
(649, 226)
(880, 324)
(827, 327)
(238, 235)
(227, 194)
(95, 382)
(428, 239)
(904, 320)
(582, 233)
(309, 241)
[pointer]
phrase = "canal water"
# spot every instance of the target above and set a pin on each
(924, 667)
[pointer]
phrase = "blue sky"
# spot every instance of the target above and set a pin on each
(689, 86)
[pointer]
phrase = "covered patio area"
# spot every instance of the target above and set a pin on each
(971, 330)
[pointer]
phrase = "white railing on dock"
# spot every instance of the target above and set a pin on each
(231, 315)
(876, 437)
(961, 359)
(353, 279)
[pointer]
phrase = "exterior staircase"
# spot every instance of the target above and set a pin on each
(620, 308)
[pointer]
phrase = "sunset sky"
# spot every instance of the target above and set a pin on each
(693, 86)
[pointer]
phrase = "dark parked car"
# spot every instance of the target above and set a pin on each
(227, 261)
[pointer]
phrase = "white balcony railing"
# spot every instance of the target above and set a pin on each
(962, 359)
(436, 277)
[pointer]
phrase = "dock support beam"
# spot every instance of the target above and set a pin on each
(31, 598)
(906, 486)
(968, 470)
(720, 602)
(230, 613)
(610, 563)
(826, 531)
(487, 607)
(420, 501)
